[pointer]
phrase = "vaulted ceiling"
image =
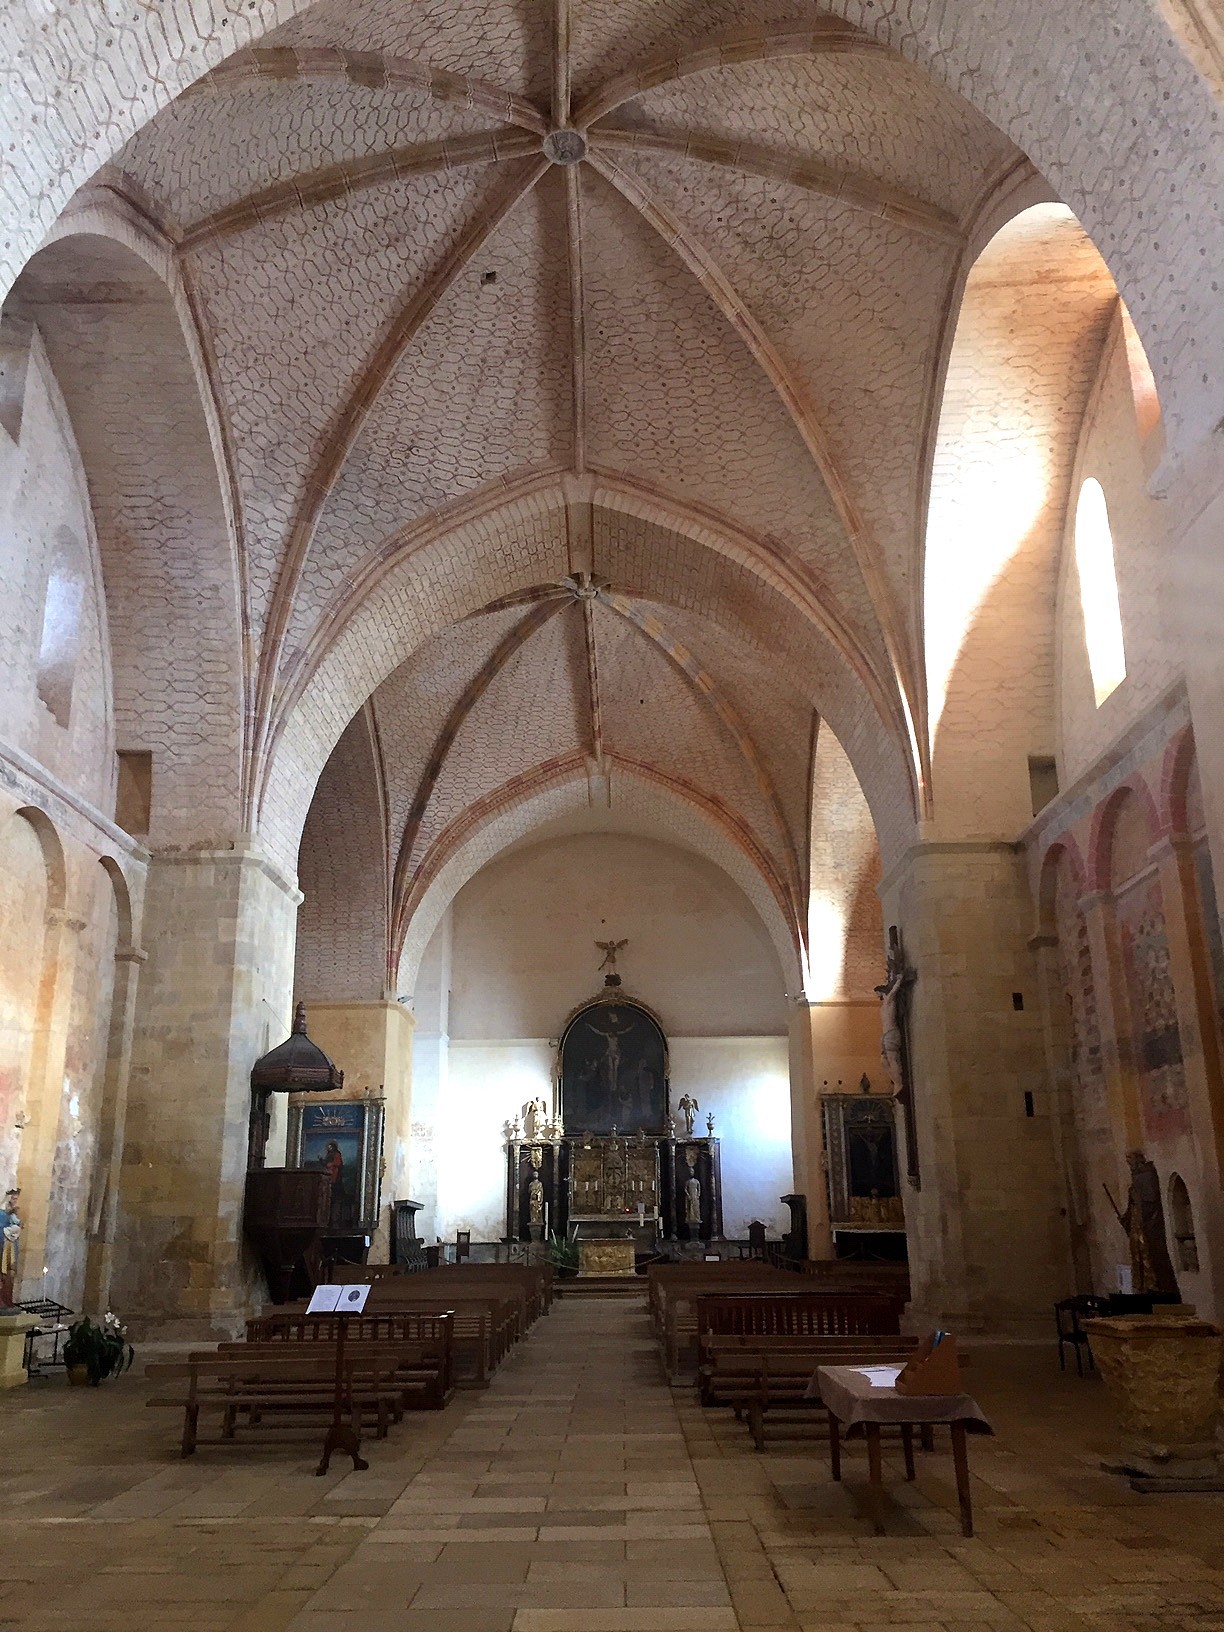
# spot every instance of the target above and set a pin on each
(626, 313)
(710, 247)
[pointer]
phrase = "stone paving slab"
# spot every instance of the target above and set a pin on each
(581, 1494)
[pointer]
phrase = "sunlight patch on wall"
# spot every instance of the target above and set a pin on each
(488, 1085)
(1098, 585)
(976, 525)
(826, 951)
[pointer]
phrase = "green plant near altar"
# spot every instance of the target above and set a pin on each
(93, 1353)
(563, 1254)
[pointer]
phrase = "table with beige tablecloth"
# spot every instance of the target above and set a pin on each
(866, 1396)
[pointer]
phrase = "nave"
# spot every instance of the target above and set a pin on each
(580, 1494)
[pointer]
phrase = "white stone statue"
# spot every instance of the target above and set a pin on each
(10, 1238)
(692, 1200)
(688, 1108)
(535, 1117)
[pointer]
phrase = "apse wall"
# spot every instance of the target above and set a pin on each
(516, 954)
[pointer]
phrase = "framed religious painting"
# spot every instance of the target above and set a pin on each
(344, 1140)
(861, 1150)
(613, 1069)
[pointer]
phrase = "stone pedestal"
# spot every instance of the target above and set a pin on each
(1162, 1374)
(13, 1329)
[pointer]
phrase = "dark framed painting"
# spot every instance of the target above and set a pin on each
(613, 1070)
(861, 1147)
(343, 1139)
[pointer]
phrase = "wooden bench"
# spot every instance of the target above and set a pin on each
(414, 1371)
(789, 1310)
(431, 1333)
(758, 1375)
(798, 1313)
(271, 1392)
(483, 1328)
(674, 1290)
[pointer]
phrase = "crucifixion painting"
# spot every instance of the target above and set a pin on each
(614, 1069)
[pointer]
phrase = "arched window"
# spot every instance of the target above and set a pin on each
(60, 639)
(1094, 560)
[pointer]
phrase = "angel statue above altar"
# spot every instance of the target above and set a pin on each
(688, 1108)
(535, 1117)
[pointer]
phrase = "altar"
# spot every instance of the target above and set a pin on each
(603, 1165)
(606, 1257)
(582, 1187)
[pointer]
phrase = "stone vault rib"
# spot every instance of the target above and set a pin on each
(794, 398)
(348, 422)
(374, 71)
(844, 186)
(822, 37)
(709, 693)
(334, 181)
(453, 724)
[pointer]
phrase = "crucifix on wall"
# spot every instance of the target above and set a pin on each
(894, 995)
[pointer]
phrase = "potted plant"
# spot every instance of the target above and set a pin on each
(563, 1255)
(93, 1352)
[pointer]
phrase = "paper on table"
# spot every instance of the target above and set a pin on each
(323, 1300)
(879, 1376)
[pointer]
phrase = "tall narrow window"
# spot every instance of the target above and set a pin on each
(60, 639)
(1094, 560)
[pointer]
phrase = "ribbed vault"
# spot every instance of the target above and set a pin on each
(438, 257)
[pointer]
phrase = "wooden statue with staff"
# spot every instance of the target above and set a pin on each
(1144, 1223)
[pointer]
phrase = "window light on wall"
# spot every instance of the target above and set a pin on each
(1098, 583)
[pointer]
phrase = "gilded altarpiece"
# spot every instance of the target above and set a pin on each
(614, 1177)
(614, 1166)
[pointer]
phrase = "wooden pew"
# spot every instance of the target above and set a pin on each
(269, 1393)
(531, 1284)
(431, 1334)
(674, 1290)
(756, 1375)
(484, 1326)
(797, 1313)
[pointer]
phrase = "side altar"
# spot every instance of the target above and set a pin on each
(604, 1161)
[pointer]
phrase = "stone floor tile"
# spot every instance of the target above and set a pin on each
(626, 1620)
(579, 1492)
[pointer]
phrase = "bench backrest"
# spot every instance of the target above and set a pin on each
(416, 1325)
(817, 1314)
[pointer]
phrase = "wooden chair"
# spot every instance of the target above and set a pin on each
(1068, 1312)
(463, 1245)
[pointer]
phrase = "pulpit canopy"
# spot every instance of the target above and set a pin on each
(296, 1065)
